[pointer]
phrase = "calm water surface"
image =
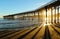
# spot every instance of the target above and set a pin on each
(16, 23)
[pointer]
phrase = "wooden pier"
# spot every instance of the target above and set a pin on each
(49, 13)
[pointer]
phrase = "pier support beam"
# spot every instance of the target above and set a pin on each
(58, 14)
(38, 18)
(51, 16)
(55, 15)
(46, 14)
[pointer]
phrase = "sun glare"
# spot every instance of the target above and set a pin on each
(46, 24)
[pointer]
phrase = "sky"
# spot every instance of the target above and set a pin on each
(17, 6)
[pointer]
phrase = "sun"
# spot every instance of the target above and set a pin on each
(46, 24)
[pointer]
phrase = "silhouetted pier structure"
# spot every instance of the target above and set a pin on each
(48, 27)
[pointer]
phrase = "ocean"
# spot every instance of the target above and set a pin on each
(15, 24)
